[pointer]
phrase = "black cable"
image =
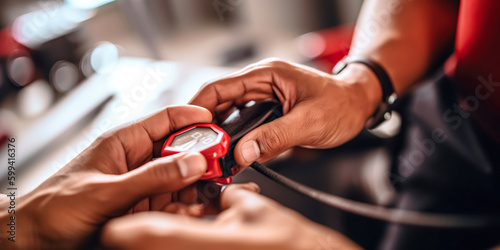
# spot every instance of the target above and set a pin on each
(379, 212)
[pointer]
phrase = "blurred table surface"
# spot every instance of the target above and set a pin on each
(134, 87)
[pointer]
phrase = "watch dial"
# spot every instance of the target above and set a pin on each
(195, 139)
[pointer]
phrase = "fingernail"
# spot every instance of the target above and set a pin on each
(192, 164)
(250, 151)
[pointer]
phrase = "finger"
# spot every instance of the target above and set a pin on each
(238, 194)
(152, 231)
(173, 207)
(194, 194)
(249, 186)
(165, 231)
(186, 195)
(193, 210)
(162, 230)
(163, 175)
(209, 195)
(202, 194)
(137, 139)
(222, 114)
(241, 205)
(158, 146)
(223, 107)
(159, 201)
(141, 206)
(271, 139)
(171, 119)
(233, 87)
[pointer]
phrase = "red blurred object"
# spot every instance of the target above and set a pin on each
(17, 68)
(326, 47)
(8, 45)
(477, 64)
(216, 150)
(3, 137)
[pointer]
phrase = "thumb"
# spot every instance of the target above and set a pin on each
(166, 174)
(269, 140)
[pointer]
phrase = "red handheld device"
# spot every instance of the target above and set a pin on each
(208, 139)
(217, 144)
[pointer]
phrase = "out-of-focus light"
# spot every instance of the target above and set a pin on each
(311, 45)
(63, 76)
(85, 65)
(87, 4)
(104, 57)
(40, 26)
(35, 98)
(21, 70)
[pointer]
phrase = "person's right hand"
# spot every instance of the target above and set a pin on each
(320, 110)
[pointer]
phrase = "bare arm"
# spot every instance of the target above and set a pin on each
(323, 110)
(404, 35)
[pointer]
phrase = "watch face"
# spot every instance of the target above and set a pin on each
(195, 139)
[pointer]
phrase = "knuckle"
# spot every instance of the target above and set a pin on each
(253, 208)
(205, 85)
(272, 139)
(163, 173)
(274, 61)
(105, 137)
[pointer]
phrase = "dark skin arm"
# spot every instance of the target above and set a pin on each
(323, 110)
(404, 36)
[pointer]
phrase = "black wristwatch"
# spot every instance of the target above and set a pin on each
(383, 112)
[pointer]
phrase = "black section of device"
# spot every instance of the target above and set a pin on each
(242, 121)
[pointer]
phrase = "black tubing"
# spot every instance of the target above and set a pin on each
(379, 212)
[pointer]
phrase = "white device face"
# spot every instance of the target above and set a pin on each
(196, 139)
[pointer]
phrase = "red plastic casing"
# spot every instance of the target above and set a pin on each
(212, 154)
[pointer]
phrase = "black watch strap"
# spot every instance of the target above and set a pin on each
(383, 112)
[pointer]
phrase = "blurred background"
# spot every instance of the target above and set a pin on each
(73, 69)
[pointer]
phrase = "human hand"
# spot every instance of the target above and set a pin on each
(248, 221)
(320, 110)
(113, 176)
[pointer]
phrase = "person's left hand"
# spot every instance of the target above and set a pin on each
(248, 221)
(115, 175)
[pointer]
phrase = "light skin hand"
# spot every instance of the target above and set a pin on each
(115, 175)
(320, 110)
(248, 221)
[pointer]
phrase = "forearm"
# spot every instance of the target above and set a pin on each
(404, 36)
